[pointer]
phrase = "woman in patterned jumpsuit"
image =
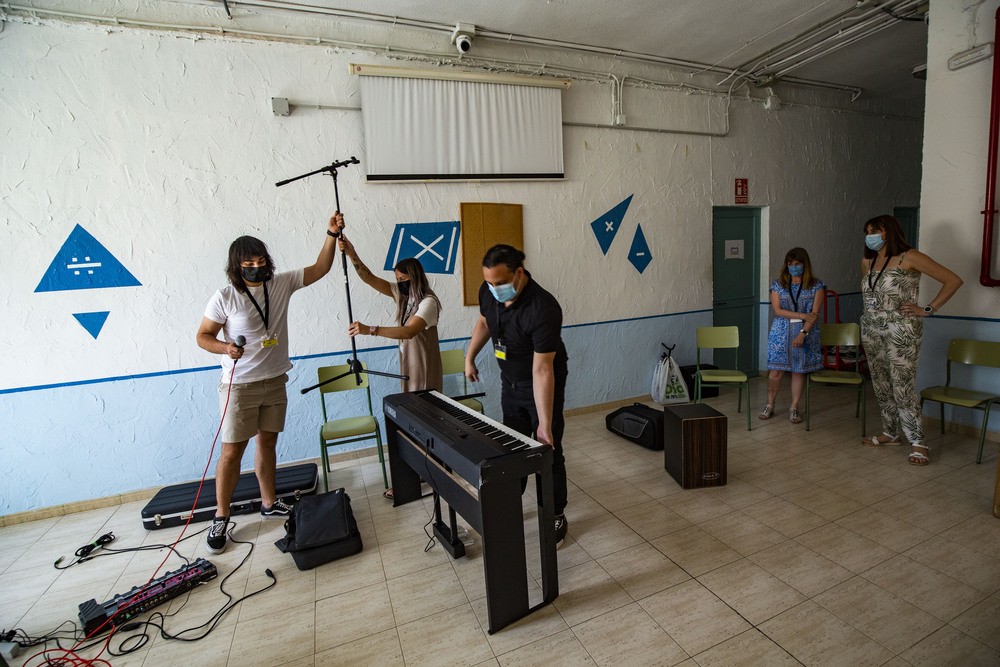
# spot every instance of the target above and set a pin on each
(892, 328)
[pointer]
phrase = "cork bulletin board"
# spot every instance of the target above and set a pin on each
(484, 226)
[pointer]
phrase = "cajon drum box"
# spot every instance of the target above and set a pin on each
(694, 451)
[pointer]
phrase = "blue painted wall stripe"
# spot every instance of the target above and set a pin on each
(321, 355)
(199, 369)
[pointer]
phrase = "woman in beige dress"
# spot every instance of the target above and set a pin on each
(417, 309)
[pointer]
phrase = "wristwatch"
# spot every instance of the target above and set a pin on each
(372, 329)
(928, 310)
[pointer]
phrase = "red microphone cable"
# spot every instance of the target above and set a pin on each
(69, 655)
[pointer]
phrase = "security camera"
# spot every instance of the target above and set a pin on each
(462, 37)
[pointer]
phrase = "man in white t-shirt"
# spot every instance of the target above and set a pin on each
(252, 392)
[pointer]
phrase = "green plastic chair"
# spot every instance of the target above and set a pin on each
(840, 335)
(334, 433)
(716, 338)
(453, 362)
(972, 353)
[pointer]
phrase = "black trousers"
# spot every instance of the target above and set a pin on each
(519, 413)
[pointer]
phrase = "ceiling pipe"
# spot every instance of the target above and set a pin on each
(507, 37)
(510, 38)
(867, 24)
(794, 42)
(865, 28)
(989, 213)
(223, 30)
(833, 47)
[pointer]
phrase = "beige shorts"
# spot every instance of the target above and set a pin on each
(253, 406)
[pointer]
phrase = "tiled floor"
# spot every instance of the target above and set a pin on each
(818, 551)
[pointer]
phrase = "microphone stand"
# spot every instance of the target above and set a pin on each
(354, 366)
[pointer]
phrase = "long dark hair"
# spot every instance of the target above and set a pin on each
(798, 255)
(419, 287)
(242, 249)
(895, 242)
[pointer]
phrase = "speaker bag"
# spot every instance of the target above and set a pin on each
(639, 423)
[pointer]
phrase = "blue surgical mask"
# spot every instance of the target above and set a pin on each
(796, 269)
(503, 293)
(874, 241)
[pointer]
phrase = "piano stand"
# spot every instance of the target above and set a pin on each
(447, 534)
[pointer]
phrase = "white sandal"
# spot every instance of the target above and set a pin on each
(875, 442)
(767, 412)
(919, 458)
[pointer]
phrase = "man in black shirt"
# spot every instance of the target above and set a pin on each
(524, 322)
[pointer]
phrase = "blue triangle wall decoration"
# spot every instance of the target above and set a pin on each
(92, 322)
(639, 255)
(607, 226)
(83, 263)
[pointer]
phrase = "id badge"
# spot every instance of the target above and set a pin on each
(269, 341)
(872, 302)
(500, 351)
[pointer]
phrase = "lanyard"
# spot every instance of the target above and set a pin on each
(267, 306)
(795, 297)
(871, 264)
(500, 311)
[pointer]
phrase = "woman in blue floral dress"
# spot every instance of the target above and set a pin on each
(793, 343)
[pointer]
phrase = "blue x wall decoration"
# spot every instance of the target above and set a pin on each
(434, 244)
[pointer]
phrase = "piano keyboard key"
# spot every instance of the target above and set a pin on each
(506, 437)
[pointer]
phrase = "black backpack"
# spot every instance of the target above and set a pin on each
(321, 528)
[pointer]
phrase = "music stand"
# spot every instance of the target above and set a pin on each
(354, 366)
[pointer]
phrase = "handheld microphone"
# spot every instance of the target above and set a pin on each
(239, 342)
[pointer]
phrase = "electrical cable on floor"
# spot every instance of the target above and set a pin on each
(83, 553)
(70, 657)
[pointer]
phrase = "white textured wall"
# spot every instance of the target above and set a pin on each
(955, 152)
(953, 196)
(164, 147)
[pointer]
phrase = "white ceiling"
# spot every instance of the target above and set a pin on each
(724, 33)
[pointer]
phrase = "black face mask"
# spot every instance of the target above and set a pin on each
(254, 274)
(404, 288)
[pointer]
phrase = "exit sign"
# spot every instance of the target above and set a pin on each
(742, 191)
